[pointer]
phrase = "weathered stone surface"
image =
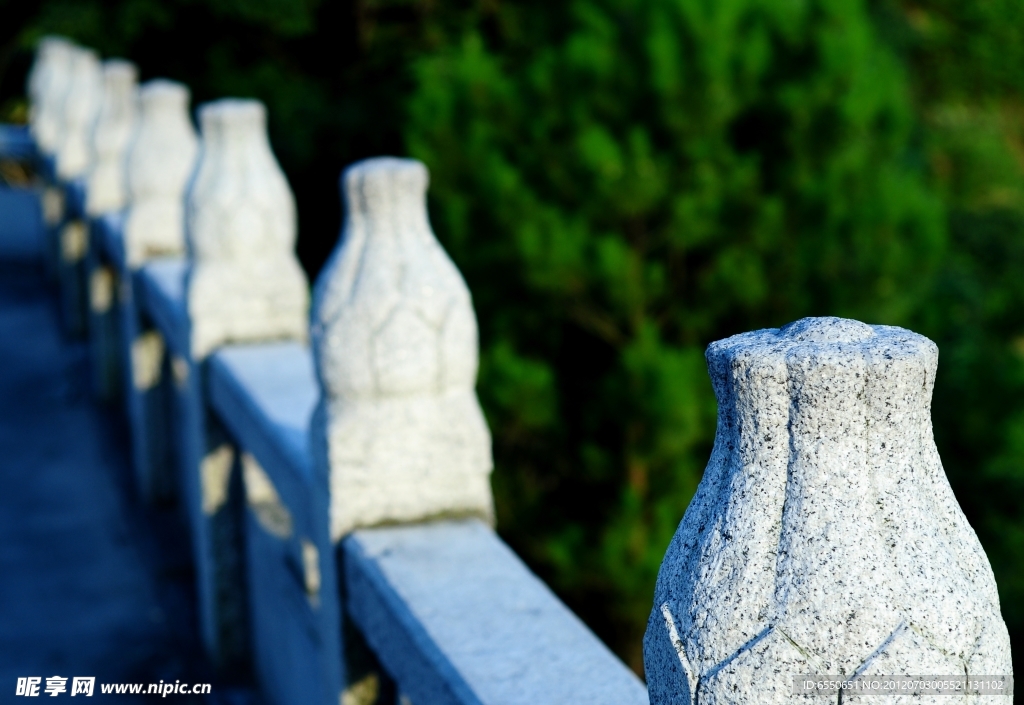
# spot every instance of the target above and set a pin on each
(246, 283)
(48, 83)
(107, 187)
(824, 537)
(160, 162)
(78, 114)
(398, 428)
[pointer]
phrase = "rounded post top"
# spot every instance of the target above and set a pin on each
(85, 59)
(827, 337)
(383, 182)
(232, 112)
(120, 72)
(51, 40)
(163, 93)
(56, 44)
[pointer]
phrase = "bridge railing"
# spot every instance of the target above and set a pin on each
(333, 475)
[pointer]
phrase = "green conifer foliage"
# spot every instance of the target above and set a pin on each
(966, 60)
(624, 181)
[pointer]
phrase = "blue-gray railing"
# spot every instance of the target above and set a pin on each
(439, 612)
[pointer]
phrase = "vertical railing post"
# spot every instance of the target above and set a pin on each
(107, 193)
(73, 161)
(48, 84)
(398, 435)
(244, 285)
(159, 163)
(824, 538)
(399, 428)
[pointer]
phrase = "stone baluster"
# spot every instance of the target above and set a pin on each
(246, 284)
(48, 83)
(824, 537)
(81, 106)
(63, 201)
(398, 429)
(160, 163)
(106, 194)
(106, 188)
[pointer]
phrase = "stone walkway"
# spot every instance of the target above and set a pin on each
(91, 583)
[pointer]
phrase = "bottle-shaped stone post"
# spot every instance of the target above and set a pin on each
(824, 537)
(107, 188)
(246, 284)
(399, 428)
(160, 163)
(78, 114)
(48, 83)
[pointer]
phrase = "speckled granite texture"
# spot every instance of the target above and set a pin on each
(824, 537)
(399, 430)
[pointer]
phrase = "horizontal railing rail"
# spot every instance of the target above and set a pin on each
(331, 595)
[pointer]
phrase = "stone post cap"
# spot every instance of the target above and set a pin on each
(106, 189)
(47, 83)
(120, 74)
(80, 107)
(50, 49)
(386, 185)
(395, 288)
(52, 42)
(246, 284)
(240, 204)
(160, 162)
(161, 94)
(848, 345)
(399, 430)
(824, 537)
(233, 111)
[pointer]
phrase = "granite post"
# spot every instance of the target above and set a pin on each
(824, 538)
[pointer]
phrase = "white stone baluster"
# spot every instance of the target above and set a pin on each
(399, 427)
(107, 188)
(246, 284)
(160, 162)
(81, 106)
(824, 537)
(48, 83)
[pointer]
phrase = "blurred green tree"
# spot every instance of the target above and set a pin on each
(624, 181)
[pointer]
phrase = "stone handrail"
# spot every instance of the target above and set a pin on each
(336, 492)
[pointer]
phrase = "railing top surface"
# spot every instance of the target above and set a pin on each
(464, 620)
(168, 275)
(109, 238)
(16, 142)
(163, 297)
(273, 391)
